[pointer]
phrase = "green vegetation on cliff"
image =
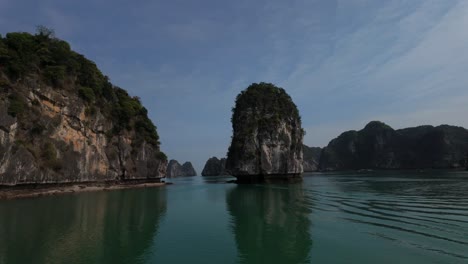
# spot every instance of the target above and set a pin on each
(270, 104)
(61, 120)
(53, 62)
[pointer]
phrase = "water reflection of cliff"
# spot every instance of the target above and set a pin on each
(270, 223)
(101, 227)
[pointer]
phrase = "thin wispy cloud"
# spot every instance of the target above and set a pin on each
(403, 61)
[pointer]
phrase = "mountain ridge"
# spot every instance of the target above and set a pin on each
(378, 146)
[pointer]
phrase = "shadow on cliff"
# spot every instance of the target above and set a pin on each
(100, 227)
(270, 223)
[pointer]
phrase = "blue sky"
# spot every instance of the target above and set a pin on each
(344, 62)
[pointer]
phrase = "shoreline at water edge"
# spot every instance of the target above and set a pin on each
(31, 191)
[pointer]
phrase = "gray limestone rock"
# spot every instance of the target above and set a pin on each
(174, 169)
(77, 129)
(215, 167)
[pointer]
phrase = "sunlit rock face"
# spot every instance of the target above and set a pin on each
(58, 142)
(62, 121)
(267, 135)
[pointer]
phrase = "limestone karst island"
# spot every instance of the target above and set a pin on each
(267, 135)
(238, 132)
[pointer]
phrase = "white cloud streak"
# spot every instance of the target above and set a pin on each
(414, 62)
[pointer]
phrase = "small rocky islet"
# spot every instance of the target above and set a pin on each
(267, 136)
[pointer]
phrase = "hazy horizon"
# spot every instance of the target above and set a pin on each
(344, 63)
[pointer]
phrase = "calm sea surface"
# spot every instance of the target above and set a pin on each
(385, 217)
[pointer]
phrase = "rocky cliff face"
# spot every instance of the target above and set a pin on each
(174, 169)
(215, 167)
(267, 135)
(61, 120)
(378, 146)
(311, 158)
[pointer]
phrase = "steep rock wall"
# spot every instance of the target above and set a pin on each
(267, 134)
(67, 145)
(62, 121)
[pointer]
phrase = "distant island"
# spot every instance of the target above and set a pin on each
(267, 135)
(174, 169)
(378, 146)
(215, 167)
(62, 121)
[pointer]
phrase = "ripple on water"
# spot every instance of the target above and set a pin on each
(429, 214)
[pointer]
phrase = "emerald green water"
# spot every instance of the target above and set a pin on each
(391, 217)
